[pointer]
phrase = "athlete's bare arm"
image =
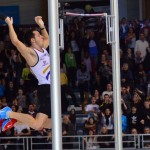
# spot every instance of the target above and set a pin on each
(39, 21)
(14, 39)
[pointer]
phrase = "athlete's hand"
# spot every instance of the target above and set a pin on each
(39, 21)
(9, 20)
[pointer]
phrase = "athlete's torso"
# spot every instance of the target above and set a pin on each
(42, 68)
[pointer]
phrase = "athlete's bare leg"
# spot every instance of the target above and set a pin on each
(41, 121)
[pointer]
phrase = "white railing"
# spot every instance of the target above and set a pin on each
(77, 142)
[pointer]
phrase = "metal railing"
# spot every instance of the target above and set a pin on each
(77, 142)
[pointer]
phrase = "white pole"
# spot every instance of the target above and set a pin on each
(55, 74)
(116, 78)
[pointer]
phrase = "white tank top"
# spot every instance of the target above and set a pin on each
(41, 69)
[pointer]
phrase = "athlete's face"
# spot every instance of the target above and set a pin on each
(38, 39)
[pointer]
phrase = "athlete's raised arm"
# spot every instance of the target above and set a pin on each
(14, 38)
(39, 21)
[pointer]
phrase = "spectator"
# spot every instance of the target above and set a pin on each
(83, 80)
(72, 117)
(108, 91)
(141, 45)
(130, 59)
(75, 47)
(67, 129)
(107, 103)
(134, 120)
(21, 129)
(146, 112)
(123, 30)
(21, 98)
(93, 48)
(133, 138)
(92, 109)
(140, 78)
(71, 65)
(10, 92)
(146, 138)
(126, 93)
(98, 97)
(31, 110)
(105, 141)
(125, 107)
(91, 141)
(107, 120)
(126, 75)
(130, 39)
(90, 125)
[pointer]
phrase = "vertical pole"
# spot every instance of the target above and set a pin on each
(140, 9)
(55, 74)
(116, 78)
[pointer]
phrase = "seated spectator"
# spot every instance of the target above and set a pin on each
(98, 97)
(92, 108)
(107, 103)
(135, 120)
(104, 140)
(107, 120)
(126, 93)
(140, 77)
(133, 138)
(10, 92)
(141, 45)
(14, 108)
(146, 112)
(31, 110)
(138, 57)
(146, 137)
(125, 107)
(67, 129)
(91, 142)
(130, 39)
(21, 129)
(108, 91)
(129, 58)
(72, 117)
(137, 102)
(4, 102)
(22, 85)
(91, 124)
(126, 75)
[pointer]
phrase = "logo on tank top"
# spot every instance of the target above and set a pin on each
(45, 63)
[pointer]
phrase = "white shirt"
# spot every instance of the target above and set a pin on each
(141, 46)
(91, 107)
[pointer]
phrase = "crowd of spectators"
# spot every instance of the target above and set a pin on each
(85, 66)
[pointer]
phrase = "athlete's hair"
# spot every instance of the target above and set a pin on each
(27, 37)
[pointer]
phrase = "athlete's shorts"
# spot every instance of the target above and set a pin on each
(44, 99)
